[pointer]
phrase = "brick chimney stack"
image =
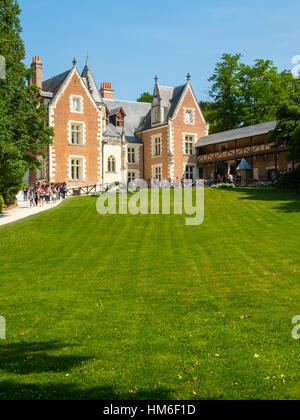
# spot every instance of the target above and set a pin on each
(37, 66)
(107, 91)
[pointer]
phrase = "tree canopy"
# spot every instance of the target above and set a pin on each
(242, 95)
(23, 127)
(145, 97)
(287, 131)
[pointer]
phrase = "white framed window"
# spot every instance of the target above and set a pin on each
(131, 155)
(111, 164)
(77, 134)
(189, 172)
(76, 104)
(41, 171)
(131, 177)
(76, 169)
(189, 116)
(189, 140)
(156, 146)
(157, 172)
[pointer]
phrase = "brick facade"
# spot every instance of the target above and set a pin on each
(106, 130)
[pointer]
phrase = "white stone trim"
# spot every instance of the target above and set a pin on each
(51, 113)
(81, 104)
(189, 87)
(136, 153)
(192, 110)
(153, 167)
(153, 138)
(171, 151)
(83, 168)
(135, 171)
(195, 136)
(195, 170)
(82, 123)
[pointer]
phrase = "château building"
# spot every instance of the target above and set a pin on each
(100, 139)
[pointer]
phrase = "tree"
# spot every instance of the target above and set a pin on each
(23, 127)
(287, 131)
(225, 112)
(262, 89)
(145, 97)
(243, 95)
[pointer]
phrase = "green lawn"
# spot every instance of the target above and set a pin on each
(144, 307)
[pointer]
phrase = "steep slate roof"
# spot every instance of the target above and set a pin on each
(239, 133)
(135, 113)
(169, 96)
(89, 81)
(53, 84)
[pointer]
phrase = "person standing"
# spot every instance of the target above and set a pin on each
(25, 193)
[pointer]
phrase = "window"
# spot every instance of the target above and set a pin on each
(111, 164)
(119, 120)
(156, 147)
(76, 104)
(76, 169)
(155, 115)
(41, 171)
(157, 173)
(189, 145)
(77, 134)
(189, 172)
(131, 155)
(189, 116)
(131, 176)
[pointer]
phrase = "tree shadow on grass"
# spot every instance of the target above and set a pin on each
(33, 358)
(289, 200)
(25, 358)
(18, 391)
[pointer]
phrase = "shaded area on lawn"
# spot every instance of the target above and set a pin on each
(72, 392)
(25, 358)
(291, 198)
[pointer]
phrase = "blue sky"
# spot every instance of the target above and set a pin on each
(128, 42)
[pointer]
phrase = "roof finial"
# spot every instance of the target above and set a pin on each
(188, 77)
(74, 62)
(156, 79)
(87, 58)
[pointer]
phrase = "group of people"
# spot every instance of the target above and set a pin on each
(39, 194)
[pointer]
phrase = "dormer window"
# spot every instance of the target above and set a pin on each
(117, 117)
(120, 121)
(155, 115)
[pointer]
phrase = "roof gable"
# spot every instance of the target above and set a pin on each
(54, 83)
(89, 81)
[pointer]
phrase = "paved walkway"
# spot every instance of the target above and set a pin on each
(24, 210)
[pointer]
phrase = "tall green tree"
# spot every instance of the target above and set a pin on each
(262, 90)
(244, 95)
(287, 131)
(23, 127)
(224, 112)
(145, 97)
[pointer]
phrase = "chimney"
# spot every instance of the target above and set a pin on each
(37, 66)
(107, 91)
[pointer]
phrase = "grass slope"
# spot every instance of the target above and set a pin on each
(125, 307)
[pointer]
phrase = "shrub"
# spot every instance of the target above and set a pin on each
(289, 180)
(223, 186)
(1, 203)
